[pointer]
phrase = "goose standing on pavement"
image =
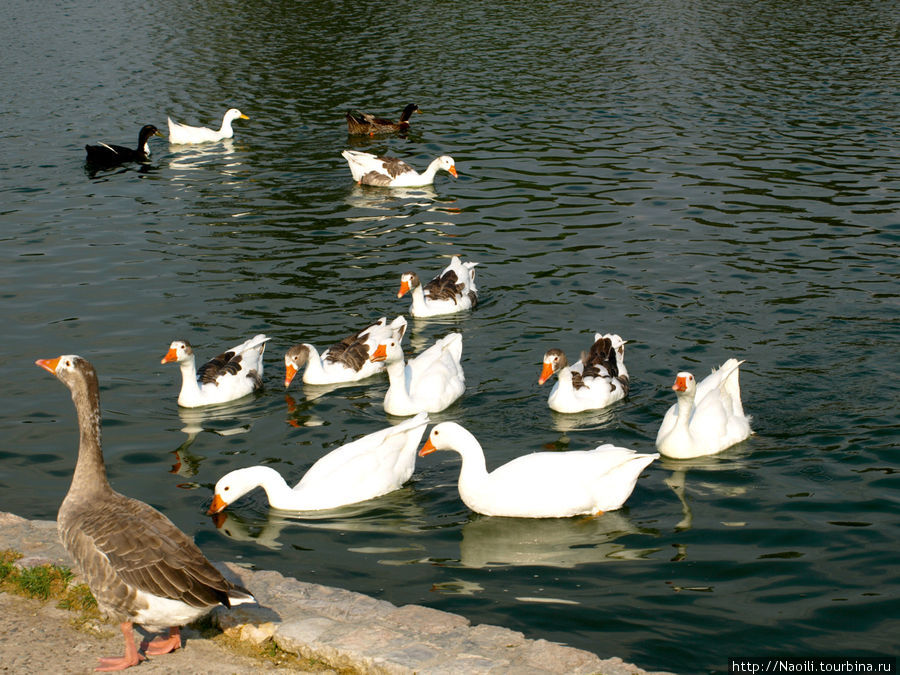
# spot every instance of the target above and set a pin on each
(140, 567)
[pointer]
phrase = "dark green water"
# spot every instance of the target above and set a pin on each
(706, 181)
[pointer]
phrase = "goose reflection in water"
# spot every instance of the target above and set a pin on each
(192, 158)
(677, 482)
(197, 420)
(393, 513)
(489, 541)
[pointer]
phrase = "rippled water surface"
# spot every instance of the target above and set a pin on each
(706, 181)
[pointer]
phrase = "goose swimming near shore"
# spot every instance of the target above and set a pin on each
(233, 374)
(708, 417)
(541, 484)
(366, 468)
(139, 566)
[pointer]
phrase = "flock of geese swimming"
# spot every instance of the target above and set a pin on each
(142, 569)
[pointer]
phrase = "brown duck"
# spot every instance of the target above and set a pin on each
(140, 567)
(364, 124)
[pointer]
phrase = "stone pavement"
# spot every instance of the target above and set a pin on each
(347, 631)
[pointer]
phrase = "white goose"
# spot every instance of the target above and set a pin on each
(597, 380)
(364, 469)
(183, 134)
(708, 417)
(541, 484)
(140, 567)
(346, 361)
(233, 374)
(429, 382)
(369, 169)
(451, 291)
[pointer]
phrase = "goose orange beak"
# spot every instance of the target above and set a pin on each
(48, 364)
(217, 505)
(244, 117)
(380, 354)
(546, 372)
(404, 289)
(169, 357)
(452, 171)
(680, 384)
(427, 449)
(289, 372)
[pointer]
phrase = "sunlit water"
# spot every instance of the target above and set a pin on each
(707, 183)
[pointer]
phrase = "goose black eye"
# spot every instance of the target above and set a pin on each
(226, 488)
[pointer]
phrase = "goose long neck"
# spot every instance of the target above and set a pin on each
(418, 297)
(189, 384)
(313, 360)
(474, 466)
(397, 377)
(685, 409)
(279, 493)
(432, 169)
(90, 471)
(564, 377)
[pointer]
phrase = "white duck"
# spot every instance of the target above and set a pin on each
(451, 291)
(370, 169)
(596, 381)
(346, 361)
(429, 382)
(139, 566)
(541, 484)
(183, 134)
(364, 469)
(233, 374)
(707, 418)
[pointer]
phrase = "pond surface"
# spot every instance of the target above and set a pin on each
(707, 183)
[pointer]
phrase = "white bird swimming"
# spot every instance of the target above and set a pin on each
(708, 417)
(597, 380)
(233, 374)
(183, 134)
(368, 467)
(428, 382)
(451, 291)
(369, 169)
(541, 484)
(343, 362)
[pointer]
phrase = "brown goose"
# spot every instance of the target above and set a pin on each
(140, 567)
(365, 124)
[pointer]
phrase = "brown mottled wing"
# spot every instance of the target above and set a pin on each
(351, 351)
(444, 287)
(123, 545)
(394, 166)
(226, 363)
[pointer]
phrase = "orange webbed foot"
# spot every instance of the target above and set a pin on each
(160, 645)
(131, 657)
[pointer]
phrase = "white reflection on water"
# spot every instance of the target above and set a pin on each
(555, 542)
(392, 513)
